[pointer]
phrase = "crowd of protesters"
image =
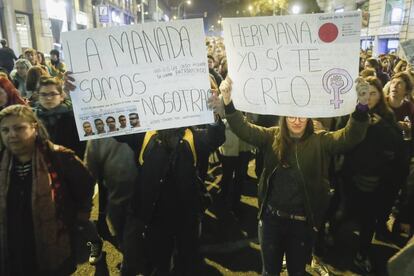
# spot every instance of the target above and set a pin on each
(314, 175)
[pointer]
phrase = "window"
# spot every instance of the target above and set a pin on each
(23, 30)
(396, 15)
(393, 12)
(392, 44)
(82, 5)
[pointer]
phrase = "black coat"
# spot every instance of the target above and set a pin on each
(61, 126)
(168, 175)
(381, 154)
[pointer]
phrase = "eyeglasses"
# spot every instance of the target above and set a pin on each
(110, 122)
(133, 118)
(293, 119)
(49, 95)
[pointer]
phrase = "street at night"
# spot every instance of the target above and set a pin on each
(206, 137)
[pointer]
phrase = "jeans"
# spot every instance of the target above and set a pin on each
(279, 236)
(234, 175)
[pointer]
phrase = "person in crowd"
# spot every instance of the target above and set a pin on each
(56, 66)
(31, 55)
(235, 156)
(223, 67)
(220, 52)
(397, 99)
(372, 63)
(45, 190)
(386, 65)
(7, 56)
(375, 163)
(111, 123)
(41, 58)
(168, 203)
(19, 75)
(122, 121)
(9, 94)
(400, 67)
(57, 115)
(87, 128)
(211, 62)
(58, 118)
(99, 125)
(33, 77)
(369, 72)
(113, 164)
(134, 120)
(293, 189)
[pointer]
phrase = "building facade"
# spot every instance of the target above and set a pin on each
(39, 23)
(384, 22)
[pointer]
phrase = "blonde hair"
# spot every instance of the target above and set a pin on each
(28, 115)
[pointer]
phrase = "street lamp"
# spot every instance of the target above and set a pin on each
(188, 2)
(296, 9)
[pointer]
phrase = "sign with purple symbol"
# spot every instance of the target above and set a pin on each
(337, 82)
(301, 65)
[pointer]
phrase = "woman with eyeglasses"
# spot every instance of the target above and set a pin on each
(44, 190)
(55, 111)
(293, 190)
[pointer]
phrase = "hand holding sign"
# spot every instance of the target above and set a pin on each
(362, 88)
(68, 84)
(225, 89)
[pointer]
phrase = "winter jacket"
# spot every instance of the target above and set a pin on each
(311, 155)
(61, 126)
(179, 163)
(71, 198)
(114, 165)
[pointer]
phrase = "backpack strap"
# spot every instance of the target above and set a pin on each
(189, 137)
(147, 138)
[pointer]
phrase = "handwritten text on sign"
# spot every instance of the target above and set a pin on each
(302, 65)
(138, 78)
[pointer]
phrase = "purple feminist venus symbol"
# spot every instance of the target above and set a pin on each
(338, 81)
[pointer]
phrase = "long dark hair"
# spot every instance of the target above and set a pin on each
(284, 142)
(381, 108)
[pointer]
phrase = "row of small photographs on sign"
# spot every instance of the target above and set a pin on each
(111, 124)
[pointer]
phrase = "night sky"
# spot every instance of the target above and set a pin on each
(198, 7)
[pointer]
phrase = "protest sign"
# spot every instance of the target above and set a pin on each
(408, 48)
(153, 75)
(301, 65)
